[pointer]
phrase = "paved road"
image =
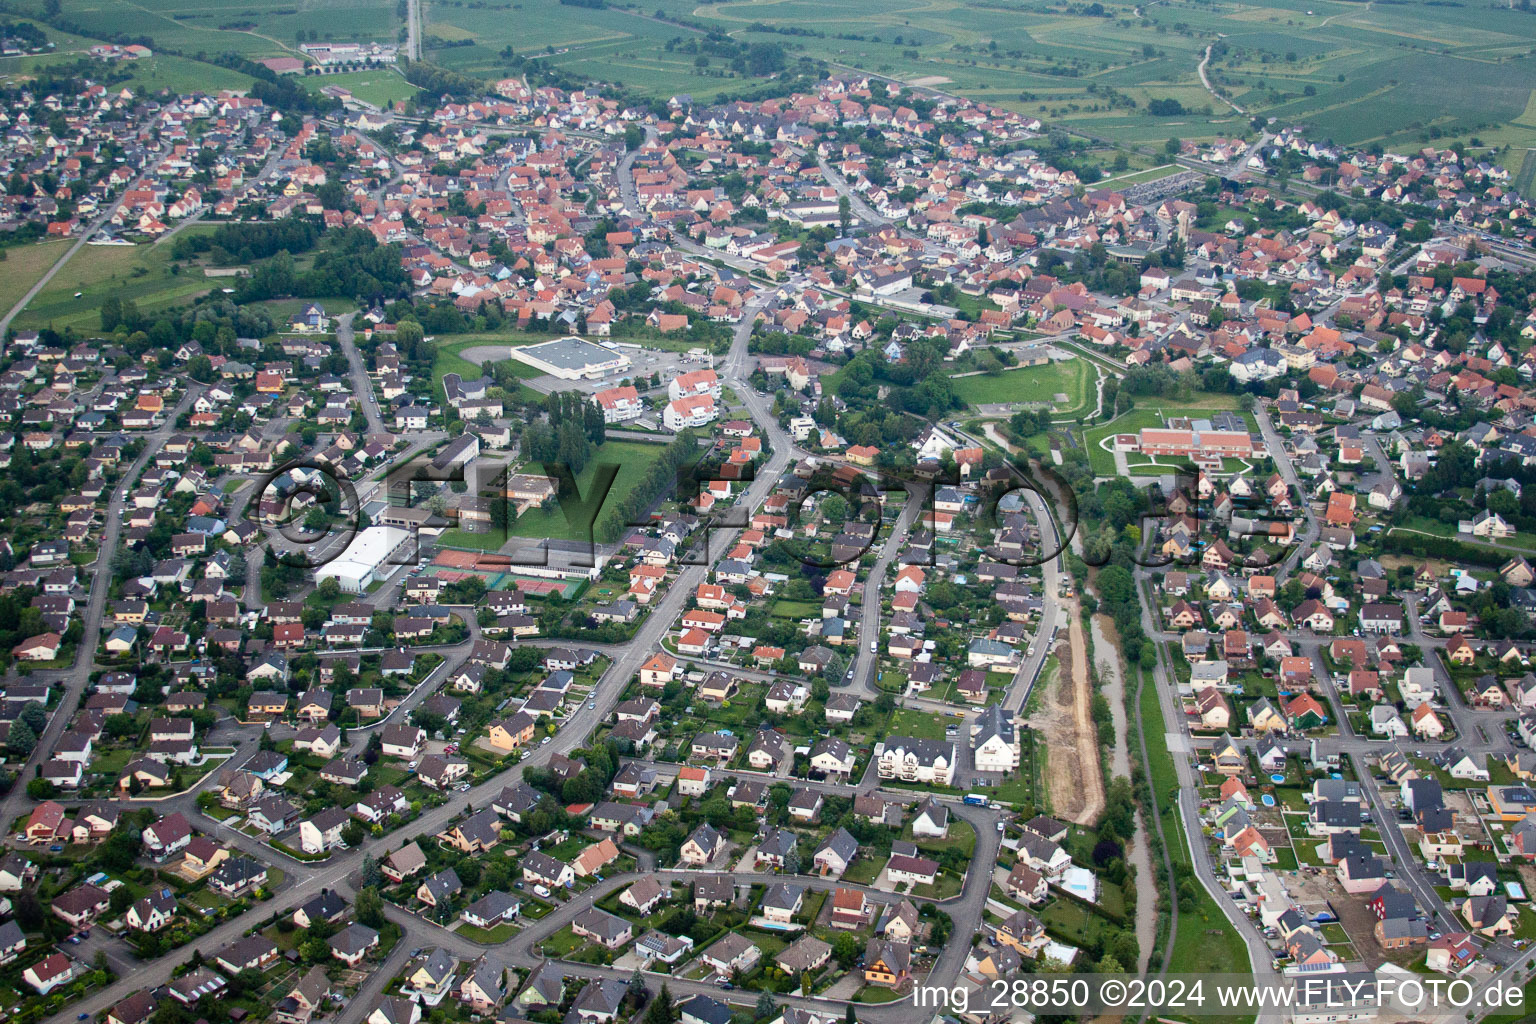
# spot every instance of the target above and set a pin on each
(1189, 810)
(413, 29)
(1275, 444)
(856, 202)
(304, 881)
(362, 385)
(75, 679)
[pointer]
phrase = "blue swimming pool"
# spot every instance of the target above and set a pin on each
(1268, 800)
(1277, 777)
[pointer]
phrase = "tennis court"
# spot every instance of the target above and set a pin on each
(451, 565)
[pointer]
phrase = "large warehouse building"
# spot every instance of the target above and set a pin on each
(572, 358)
(366, 559)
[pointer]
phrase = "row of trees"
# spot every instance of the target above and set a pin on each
(659, 480)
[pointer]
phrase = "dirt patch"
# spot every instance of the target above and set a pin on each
(1065, 721)
(930, 80)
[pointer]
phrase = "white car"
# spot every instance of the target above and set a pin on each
(874, 647)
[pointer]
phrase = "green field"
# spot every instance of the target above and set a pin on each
(23, 265)
(254, 28)
(1205, 941)
(380, 87)
(142, 273)
(1033, 385)
(633, 459)
(919, 725)
(1389, 72)
(1150, 413)
(447, 359)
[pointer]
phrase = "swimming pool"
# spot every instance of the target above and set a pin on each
(1267, 800)
(1277, 777)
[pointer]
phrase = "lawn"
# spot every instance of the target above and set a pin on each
(143, 273)
(632, 460)
(786, 609)
(1206, 941)
(23, 265)
(446, 359)
(1151, 412)
(488, 937)
(1072, 922)
(378, 86)
(1028, 385)
(1436, 528)
(917, 724)
(562, 943)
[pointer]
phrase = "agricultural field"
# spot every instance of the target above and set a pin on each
(152, 74)
(1360, 72)
(23, 265)
(253, 28)
(615, 45)
(144, 273)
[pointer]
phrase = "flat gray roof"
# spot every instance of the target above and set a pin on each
(572, 354)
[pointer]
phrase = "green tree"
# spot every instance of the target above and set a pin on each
(370, 907)
(35, 715)
(22, 740)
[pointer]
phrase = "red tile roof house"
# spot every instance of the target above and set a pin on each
(49, 973)
(47, 822)
(79, 906)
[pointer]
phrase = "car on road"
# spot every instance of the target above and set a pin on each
(545, 740)
(874, 646)
(999, 826)
(55, 849)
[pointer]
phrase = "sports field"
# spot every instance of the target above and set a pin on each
(378, 86)
(1029, 385)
